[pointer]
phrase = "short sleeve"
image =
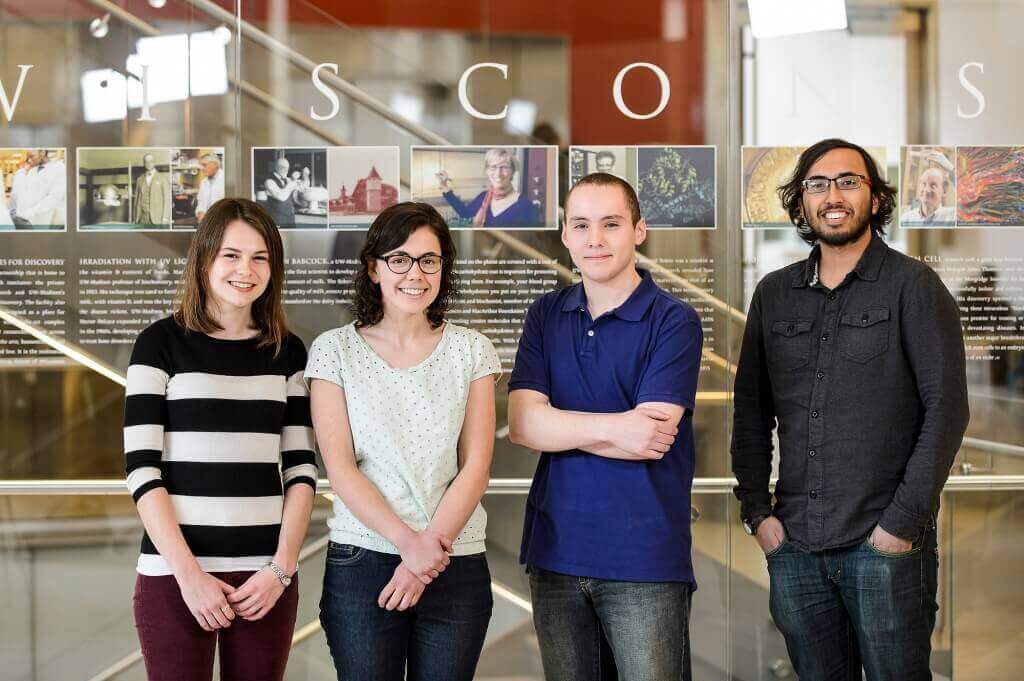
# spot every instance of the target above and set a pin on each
(325, 359)
(672, 372)
(530, 371)
(485, 358)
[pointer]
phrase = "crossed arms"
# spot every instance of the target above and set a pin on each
(640, 434)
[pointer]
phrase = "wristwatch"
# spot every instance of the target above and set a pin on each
(281, 575)
(750, 524)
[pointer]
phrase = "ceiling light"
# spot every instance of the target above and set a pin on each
(100, 26)
(774, 18)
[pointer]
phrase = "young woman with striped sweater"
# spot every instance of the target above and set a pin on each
(219, 457)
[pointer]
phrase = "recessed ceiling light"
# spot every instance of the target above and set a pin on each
(775, 18)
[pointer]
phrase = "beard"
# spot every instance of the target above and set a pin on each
(853, 232)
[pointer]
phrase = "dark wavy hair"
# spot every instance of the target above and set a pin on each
(792, 193)
(390, 230)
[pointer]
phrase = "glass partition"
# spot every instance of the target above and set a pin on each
(124, 108)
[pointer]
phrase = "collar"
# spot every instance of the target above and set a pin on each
(867, 267)
(632, 310)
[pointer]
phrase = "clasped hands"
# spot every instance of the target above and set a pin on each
(215, 603)
(425, 555)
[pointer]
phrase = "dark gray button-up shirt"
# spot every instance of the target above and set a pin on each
(867, 385)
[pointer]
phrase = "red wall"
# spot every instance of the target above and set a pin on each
(603, 35)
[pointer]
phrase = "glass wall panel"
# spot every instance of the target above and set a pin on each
(121, 109)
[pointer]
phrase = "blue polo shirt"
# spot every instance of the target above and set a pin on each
(588, 515)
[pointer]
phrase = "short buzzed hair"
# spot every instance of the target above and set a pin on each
(210, 158)
(606, 180)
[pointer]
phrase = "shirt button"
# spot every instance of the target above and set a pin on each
(590, 333)
(812, 453)
(824, 337)
(814, 414)
(832, 296)
(813, 494)
(821, 375)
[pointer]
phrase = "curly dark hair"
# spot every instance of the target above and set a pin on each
(792, 193)
(390, 230)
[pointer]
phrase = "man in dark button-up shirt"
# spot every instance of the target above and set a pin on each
(856, 355)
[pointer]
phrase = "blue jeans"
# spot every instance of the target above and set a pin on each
(438, 638)
(842, 609)
(600, 630)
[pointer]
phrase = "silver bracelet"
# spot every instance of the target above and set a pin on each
(281, 575)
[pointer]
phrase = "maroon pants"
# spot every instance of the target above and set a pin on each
(176, 648)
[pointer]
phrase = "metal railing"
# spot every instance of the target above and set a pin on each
(701, 486)
(500, 486)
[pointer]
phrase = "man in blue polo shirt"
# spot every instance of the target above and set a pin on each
(604, 385)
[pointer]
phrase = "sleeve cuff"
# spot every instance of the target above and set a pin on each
(898, 523)
(528, 385)
(680, 400)
(300, 479)
(147, 487)
(756, 505)
(308, 378)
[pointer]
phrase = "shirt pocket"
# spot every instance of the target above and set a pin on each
(791, 344)
(864, 335)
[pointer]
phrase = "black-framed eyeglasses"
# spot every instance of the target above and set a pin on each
(818, 185)
(400, 263)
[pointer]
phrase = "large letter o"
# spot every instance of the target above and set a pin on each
(666, 90)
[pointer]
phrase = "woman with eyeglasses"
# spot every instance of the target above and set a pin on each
(403, 408)
(502, 205)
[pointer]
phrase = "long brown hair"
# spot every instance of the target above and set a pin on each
(267, 311)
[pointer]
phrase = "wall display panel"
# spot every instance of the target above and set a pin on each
(291, 183)
(677, 186)
(197, 182)
(124, 189)
(34, 288)
(619, 161)
(33, 190)
(481, 187)
(990, 187)
(362, 182)
(978, 187)
(989, 289)
(927, 187)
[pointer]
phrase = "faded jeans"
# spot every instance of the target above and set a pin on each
(844, 609)
(600, 629)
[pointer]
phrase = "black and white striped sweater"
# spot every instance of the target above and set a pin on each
(225, 427)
